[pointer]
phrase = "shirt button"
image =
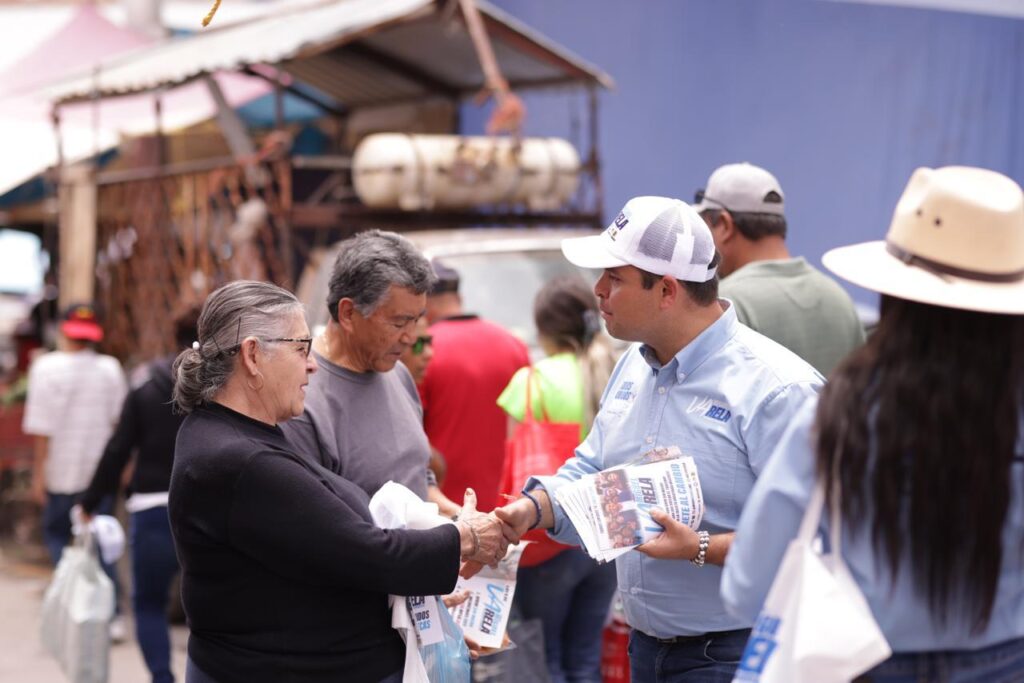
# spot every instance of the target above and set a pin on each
(649, 439)
(661, 390)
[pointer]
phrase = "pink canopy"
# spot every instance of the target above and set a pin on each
(86, 39)
(26, 132)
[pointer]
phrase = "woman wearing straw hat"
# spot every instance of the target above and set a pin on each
(927, 417)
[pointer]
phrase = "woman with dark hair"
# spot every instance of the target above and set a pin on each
(562, 586)
(285, 577)
(920, 433)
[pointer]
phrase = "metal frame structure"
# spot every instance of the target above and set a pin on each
(168, 234)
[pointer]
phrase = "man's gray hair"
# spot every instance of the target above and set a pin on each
(237, 310)
(369, 264)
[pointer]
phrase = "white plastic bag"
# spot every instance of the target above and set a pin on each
(77, 609)
(815, 626)
(435, 651)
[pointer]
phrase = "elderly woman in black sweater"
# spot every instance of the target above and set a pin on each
(285, 576)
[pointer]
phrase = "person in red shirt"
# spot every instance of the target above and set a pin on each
(474, 359)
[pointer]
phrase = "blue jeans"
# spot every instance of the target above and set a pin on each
(154, 565)
(570, 594)
(710, 658)
(1002, 663)
(57, 531)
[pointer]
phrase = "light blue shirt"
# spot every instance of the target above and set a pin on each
(771, 520)
(724, 399)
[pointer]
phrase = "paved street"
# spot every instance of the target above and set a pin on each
(22, 659)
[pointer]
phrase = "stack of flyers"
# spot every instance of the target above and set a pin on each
(611, 509)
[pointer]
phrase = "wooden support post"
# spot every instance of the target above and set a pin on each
(55, 119)
(231, 124)
(77, 234)
(278, 103)
(158, 113)
(234, 131)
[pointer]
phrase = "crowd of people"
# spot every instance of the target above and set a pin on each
(749, 360)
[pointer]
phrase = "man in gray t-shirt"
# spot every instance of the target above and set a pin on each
(783, 298)
(363, 418)
(365, 426)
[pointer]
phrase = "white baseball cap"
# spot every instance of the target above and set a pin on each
(741, 188)
(660, 235)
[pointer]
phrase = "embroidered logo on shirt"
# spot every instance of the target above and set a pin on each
(711, 409)
(625, 392)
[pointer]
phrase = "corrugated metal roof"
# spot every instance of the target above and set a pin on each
(361, 52)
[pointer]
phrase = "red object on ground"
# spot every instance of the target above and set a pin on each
(615, 652)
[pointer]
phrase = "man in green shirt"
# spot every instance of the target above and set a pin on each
(783, 297)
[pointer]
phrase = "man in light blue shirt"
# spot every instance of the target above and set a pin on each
(700, 380)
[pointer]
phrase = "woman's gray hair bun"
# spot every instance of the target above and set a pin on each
(237, 310)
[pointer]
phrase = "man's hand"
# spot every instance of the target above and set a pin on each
(38, 490)
(473, 646)
(518, 516)
(676, 542)
(79, 516)
(40, 452)
(455, 599)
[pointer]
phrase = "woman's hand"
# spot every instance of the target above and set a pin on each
(483, 536)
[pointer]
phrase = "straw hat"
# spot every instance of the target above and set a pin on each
(956, 240)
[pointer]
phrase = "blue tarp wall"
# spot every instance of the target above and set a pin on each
(840, 100)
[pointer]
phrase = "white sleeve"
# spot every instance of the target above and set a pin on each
(40, 418)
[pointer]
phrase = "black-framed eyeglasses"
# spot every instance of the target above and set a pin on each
(308, 341)
(421, 343)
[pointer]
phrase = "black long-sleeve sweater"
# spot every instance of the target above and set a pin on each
(148, 426)
(285, 577)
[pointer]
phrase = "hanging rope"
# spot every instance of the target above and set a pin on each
(209, 15)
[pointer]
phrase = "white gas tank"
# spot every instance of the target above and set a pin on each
(416, 172)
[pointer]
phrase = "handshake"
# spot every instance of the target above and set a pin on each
(485, 537)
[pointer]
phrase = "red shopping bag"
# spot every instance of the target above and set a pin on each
(537, 447)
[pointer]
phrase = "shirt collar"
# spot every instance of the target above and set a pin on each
(693, 355)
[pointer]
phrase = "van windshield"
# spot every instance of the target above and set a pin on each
(501, 286)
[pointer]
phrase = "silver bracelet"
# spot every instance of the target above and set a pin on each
(473, 537)
(703, 541)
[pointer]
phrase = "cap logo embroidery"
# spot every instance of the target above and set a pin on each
(617, 225)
